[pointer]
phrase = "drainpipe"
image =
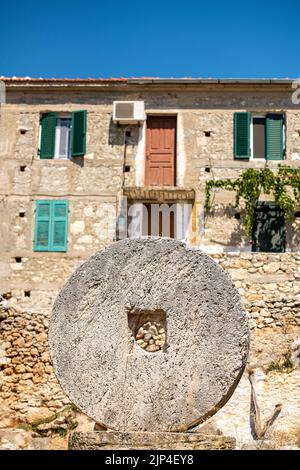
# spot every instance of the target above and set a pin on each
(121, 229)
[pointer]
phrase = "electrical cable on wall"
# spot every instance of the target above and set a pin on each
(121, 210)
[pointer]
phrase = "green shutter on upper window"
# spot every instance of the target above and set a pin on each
(242, 135)
(51, 225)
(274, 130)
(42, 226)
(59, 226)
(48, 125)
(78, 138)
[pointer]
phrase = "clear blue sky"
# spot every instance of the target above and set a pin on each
(166, 38)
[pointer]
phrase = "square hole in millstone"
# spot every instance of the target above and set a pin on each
(147, 330)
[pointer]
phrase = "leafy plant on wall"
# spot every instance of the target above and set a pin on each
(284, 185)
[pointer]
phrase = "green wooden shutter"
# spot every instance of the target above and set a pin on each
(59, 226)
(274, 130)
(42, 226)
(78, 138)
(242, 135)
(269, 233)
(51, 226)
(48, 123)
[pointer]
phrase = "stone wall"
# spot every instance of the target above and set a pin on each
(94, 182)
(269, 285)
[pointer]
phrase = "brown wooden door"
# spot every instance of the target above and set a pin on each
(160, 151)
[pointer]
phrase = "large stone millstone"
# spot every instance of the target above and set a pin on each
(141, 293)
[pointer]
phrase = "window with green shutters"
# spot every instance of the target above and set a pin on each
(58, 131)
(258, 137)
(51, 225)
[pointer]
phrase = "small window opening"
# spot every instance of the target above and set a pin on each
(207, 169)
(18, 259)
(23, 131)
(27, 293)
(22, 168)
(297, 215)
(207, 133)
(7, 295)
(22, 214)
(237, 216)
(127, 168)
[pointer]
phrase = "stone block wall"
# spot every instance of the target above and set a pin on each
(269, 286)
(91, 182)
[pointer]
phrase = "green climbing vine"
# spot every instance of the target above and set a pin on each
(284, 185)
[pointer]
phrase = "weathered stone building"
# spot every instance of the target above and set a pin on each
(65, 165)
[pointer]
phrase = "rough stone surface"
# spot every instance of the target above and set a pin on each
(153, 441)
(109, 376)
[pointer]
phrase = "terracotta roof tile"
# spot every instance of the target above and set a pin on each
(146, 79)
(40, 79)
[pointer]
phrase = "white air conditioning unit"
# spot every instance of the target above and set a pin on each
(128, 112)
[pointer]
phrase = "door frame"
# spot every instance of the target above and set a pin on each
(162, 115)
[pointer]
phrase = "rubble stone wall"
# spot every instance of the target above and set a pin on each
(91, 182)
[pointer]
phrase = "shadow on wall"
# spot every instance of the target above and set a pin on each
(78, 161)
(119, 135)
(258, 428)
(270, 235)
(157, 100)
(227, 218)
(293, 233)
